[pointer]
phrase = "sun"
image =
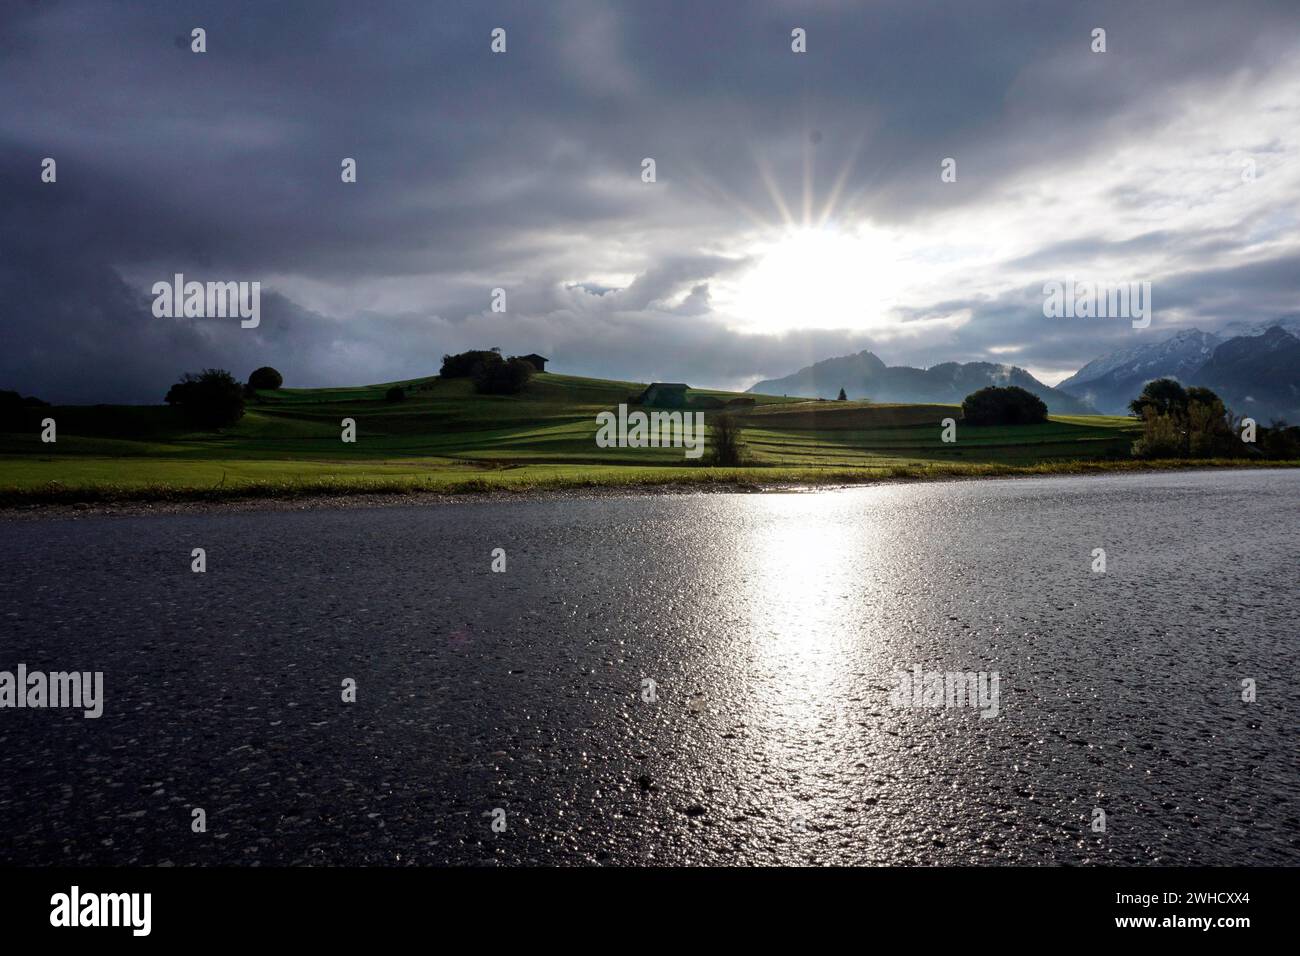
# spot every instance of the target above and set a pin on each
(815, 278)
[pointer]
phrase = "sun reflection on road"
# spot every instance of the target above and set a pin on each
(809, 579)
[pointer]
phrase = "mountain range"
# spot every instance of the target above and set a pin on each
(1254, 368)
(865, 376)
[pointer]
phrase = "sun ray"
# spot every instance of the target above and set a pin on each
(769, 181)
(841, 180)
(807, 180)
(707, 185)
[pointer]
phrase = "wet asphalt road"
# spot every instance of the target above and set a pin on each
(772, 626)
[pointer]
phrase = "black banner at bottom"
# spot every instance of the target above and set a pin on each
(334, 905)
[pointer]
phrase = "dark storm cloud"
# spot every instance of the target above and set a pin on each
(523, 170)
(1254, 292)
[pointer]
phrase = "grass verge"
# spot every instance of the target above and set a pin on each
(533, 478)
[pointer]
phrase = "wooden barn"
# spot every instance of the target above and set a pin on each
(664, 395)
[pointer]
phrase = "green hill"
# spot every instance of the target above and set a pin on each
(444, 436)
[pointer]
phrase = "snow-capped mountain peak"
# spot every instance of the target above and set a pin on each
(1186, 349)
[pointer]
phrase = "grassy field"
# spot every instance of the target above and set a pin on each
(446, 438)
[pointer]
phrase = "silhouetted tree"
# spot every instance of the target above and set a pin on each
(466, 364)
(18, 413)
(725, 447)
(1181, 423)
(502, 377)
(842, 397)
(265, 377)
(995, 405)
(211, 399)
(13, 413)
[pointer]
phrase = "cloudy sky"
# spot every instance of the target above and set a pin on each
(797, 214)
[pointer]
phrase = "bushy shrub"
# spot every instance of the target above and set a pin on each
(395, 394)
(13, 413)
(995, 405)
(211, 399)
(1210, 431)
(1280, 441)
(1162, 436)
(265, 377)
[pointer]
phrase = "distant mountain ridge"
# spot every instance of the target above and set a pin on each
(1256, 369)
(1257, 375)
(865, 376)
(1109, 383)
(1289, 323)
